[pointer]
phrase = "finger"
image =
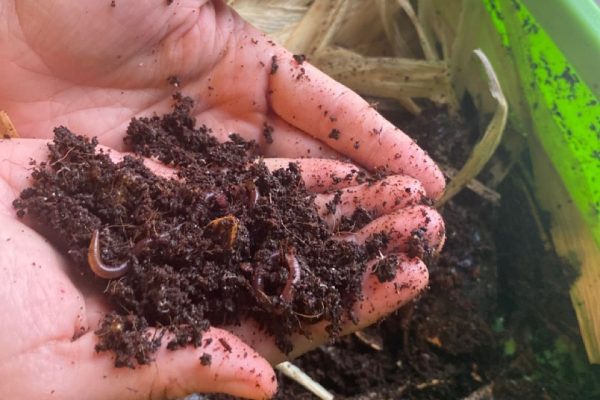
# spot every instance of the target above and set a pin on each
(15, 155)
(343, 120)
(386, 196)
(64, 370)
(7, 195)
(321, 175)
(413, 229)
(287, 141)
(379, 300)
(39, 300)
(274, 136)
(60, 367)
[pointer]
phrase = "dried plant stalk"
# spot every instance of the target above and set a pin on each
(474, 185)
(7, 129)
(297, 375)
(316, 28)
(427, 46)
(348, 40)
(385, 76)
(485, 148)
(403, 43)
(362, 30)
(355, 43)
(438, 21)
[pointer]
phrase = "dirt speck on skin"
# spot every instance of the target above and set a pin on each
(268, 133)
(223, 241)
(205, 359)
(299, 58)
(274, 65)
(174, 81)
(225, 345)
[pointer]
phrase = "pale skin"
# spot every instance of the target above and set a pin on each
(92, 67)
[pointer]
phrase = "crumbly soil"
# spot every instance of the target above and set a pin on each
(496, 322)
(222, 241)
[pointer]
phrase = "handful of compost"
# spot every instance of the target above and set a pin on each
(222, 240)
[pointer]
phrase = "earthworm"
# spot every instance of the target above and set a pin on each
(257, 280)
(294, 271)
(253, 194)
(220, 200)
(146, 242)
(293, 265)
(98, 267)
(257, 289)
(141, 244)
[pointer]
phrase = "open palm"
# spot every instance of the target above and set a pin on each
(93, 67)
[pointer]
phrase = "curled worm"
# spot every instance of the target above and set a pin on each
(287, 294)
(99, 268)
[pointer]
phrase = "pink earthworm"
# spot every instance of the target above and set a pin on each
(99, 268)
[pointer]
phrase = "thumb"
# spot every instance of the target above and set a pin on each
(74, 370)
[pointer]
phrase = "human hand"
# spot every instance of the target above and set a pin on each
(92, 67)
(49, 314)
(88, 87)
(58, 356)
